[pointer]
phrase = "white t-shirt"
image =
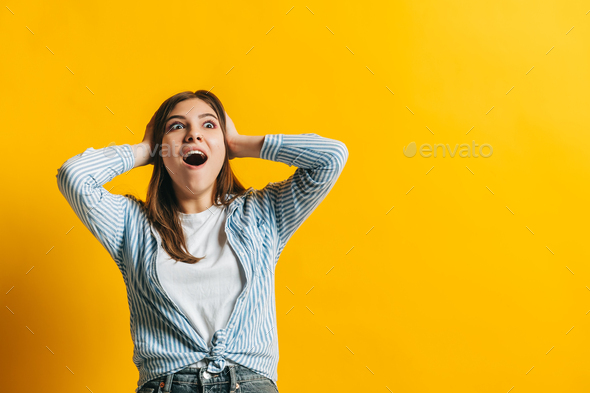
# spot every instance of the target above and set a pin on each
(205, 291)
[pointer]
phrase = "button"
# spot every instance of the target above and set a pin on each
(206, 375)
(161, 384)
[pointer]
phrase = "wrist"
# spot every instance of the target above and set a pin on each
(234, 144)
(243, 146)
(141, 152)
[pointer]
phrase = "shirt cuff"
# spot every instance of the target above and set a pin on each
(270, 147)
(127, 157)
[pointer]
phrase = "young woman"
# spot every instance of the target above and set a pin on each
(198, 256)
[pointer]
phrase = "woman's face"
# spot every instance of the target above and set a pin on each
(192, 124)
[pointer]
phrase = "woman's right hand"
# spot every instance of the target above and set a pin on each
(148, 139)
(142, 152)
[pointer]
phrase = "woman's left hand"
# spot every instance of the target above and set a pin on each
(231, 135)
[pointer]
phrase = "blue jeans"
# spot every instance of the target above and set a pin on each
(233, 379)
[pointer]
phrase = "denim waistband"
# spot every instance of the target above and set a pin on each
(234, 374)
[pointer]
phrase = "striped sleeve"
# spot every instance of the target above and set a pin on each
(319, 162)
(80, 180)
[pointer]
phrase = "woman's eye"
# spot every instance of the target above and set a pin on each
(173, 125)
(210, 122)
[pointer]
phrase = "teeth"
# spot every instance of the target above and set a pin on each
(194, 152)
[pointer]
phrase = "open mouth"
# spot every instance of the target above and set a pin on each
(195, 158)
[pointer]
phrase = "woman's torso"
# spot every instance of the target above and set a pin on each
(206, 291)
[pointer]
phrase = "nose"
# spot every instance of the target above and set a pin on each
(194, 135)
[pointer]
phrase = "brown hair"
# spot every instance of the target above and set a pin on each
(161, 206)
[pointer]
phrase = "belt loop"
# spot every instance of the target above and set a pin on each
(233, 385)
(168, 384)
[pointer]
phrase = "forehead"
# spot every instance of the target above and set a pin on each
(191, 107)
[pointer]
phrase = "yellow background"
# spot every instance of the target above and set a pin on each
(448, 274)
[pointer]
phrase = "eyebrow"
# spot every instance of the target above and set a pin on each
(200, 116)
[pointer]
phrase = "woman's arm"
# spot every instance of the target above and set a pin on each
(80, 180)
(319, 162)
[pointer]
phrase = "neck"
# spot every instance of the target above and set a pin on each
(195, 203)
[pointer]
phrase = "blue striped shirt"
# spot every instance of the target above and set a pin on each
(258, 226)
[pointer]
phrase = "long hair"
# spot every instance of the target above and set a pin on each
(161, 206)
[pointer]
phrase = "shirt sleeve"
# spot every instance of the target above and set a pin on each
(319, 162)
(80, 180)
